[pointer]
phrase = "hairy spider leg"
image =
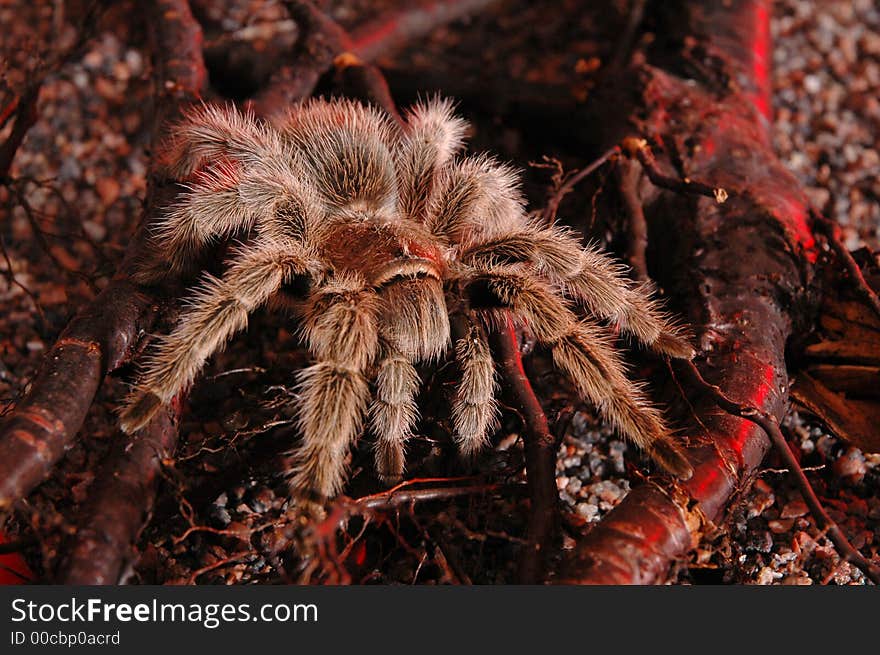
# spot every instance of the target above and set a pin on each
(475, 409)
(211, 133)
(433, 136)
(474, 196)
(230, 195)
(581, 350)
(393, 413)
(218, 310)
(589, 277)
(342, 333)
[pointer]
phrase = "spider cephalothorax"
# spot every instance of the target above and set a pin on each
(379, 238)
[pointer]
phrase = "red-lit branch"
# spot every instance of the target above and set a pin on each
(740, 270)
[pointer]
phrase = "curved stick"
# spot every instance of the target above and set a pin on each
(322, 41)
(412, 21)
(770, 424)
(540, 446)
(43, 425)
(122, 494)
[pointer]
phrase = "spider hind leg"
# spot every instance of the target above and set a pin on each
(584, 354)
(588, 276)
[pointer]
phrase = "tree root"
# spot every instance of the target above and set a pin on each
(540, 452)
(123, 492)
(741, 270)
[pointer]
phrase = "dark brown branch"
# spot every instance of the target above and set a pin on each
(180, 69)
(43, 424)
(322, 41)
(637, 227)
(365, 82)
(24, 108)
(639, 149)
(404, 496)
(121, 496)
(624, 47)
(540, 447)
(100, 337)
(770, 424)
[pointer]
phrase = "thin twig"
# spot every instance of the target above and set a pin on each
(540, 446)
(401, 498)
(322, 41)
(41, 236)
(226, 561)
(549, 215)
(624, 46)
(12, 280)
(637, 224)
(638, 148)
(323, 533)
(409, 21)
(24, 108)
(25, 117)
(404, 494)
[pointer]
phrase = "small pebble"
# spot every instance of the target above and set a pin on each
(851, 466)
(794, 509)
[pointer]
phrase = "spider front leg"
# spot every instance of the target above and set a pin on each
(590, 277)
(393, 413)
(581, 351)
(217, 311)
(342, 333)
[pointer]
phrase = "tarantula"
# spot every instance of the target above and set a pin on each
(391, 249)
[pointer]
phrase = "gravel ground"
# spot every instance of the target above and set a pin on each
(827, 101)
(82, 170)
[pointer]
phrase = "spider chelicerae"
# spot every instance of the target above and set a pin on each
(390, 248)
